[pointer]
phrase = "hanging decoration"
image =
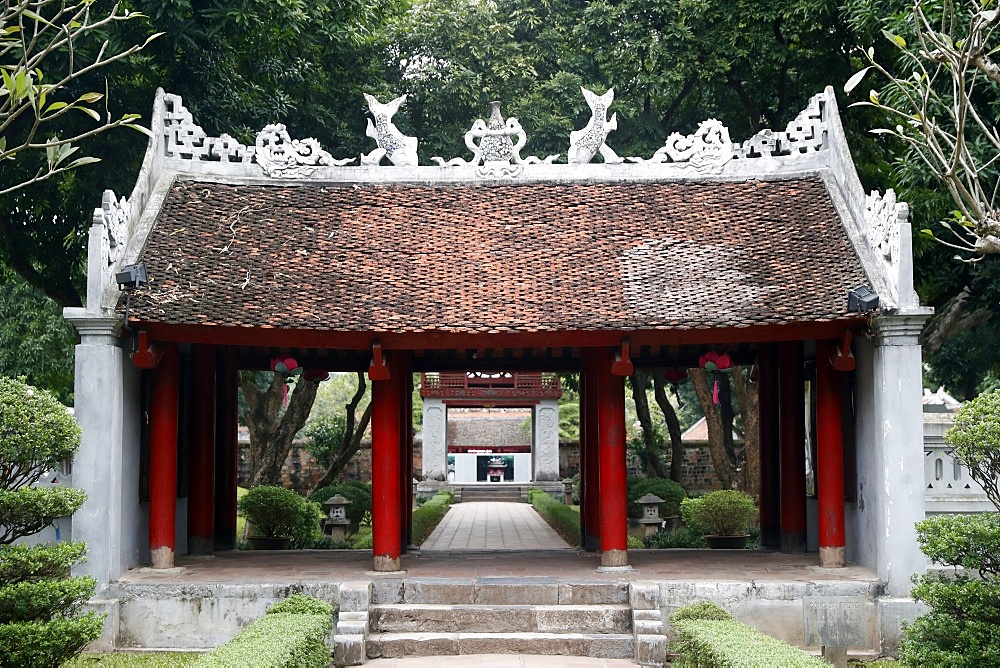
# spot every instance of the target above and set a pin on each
(289, 369)
(675, 376)
(716, 363)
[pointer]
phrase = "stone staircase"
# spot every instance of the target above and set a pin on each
(491, 492)
(516, 615)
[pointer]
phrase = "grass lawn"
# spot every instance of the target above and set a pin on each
(133, 659)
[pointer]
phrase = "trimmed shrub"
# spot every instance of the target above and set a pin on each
(276, 640)
(668, 490)
(963, 626)
(276, 511)
(706, 635)
(428, 516)
(564, 519)
(40, 620)
(727, 512)
(358, 493)
(682, 538)
(300, 604)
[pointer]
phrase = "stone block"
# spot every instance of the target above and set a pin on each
(644, 596)
(401, 645)
(517, 591)
(647, 627)
(609, 646)
(650, 650)
(349, 650)
(647, 614)
(582, 619)
(892, 612)
(109, 634)
(439, 591)
(387, 590)
(352, 623)
(355, 596)
(521, 643)
(593, 593)
(838, 621)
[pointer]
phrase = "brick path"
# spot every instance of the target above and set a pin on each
(493, 525)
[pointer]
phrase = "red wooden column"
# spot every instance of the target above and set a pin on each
(226, 446)
(770, 463)
(611, 458)
(793, 454)
(163, 459)
(201, 472)
(386, 466)
(406, 455)
(590, 472)
(829, 459)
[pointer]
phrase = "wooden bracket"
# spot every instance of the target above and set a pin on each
(843, 359)
(622, 366)
(377, 370)
(147, 355)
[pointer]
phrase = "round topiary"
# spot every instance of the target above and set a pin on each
(668, 490)
(272, 511)
(727, 512)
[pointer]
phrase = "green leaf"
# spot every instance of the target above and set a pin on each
(56, 106)
(895, 39)
(89, 98)
(90, 112)
(141, 129)
(855, 79)
(80, 162)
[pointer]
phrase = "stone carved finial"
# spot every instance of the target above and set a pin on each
(586, 143)
(706, 151)
(392, 144)
(280, 155)
(113, 214)
(884, 214)
(495, 151)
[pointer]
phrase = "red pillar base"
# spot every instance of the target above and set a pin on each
(162, 557)
(614, 558)
(833, 557)
(386, 564)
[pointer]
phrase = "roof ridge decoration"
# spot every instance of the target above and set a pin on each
(586, 143)
(392, 144)
(495, 151)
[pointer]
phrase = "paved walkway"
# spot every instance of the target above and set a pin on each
(493, 525)
(500, 661)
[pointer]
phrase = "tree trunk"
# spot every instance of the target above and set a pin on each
(721, 462)
(271, 430)
(654, 467)
(350, 443)
(746, 392)
(673, 427)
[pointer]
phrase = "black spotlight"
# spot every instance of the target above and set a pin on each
(862, 299)
(132, 276)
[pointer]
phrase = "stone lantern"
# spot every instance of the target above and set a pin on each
(336, 522)
(651, 521)
(568, 491)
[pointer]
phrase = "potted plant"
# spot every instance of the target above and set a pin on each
(724, 517)
(273, 514)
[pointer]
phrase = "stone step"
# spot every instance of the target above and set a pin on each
(576, 619)
(467, 494)
(399, 645)
(500, 591)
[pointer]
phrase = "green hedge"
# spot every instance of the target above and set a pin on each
(428, 516)
(293, 633)
(38, 644)
(564, 519)
(705, 636)
(668, 490)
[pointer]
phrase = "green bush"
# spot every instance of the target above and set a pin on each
(703, 643)
(704, 635)
(276, 511)
(43, 644)
(300, 604)
(564, 519)
(276, 640)
(429, 515)
(682, 538)
(975, 441)
(668, 490)
(358, 493)
(727, 512)
(40, 620)
(963, 626)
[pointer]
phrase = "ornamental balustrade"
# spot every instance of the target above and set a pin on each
(462, 385)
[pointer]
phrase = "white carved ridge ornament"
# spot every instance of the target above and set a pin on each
(883, 215)
(400, 149)
(280, 155)
(493, 154)
(114, 215)
(586, 143)
(707, 150)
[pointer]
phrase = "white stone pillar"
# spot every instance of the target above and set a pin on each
(894, 473)
(546, 440)
(435, 443)
(97, 468)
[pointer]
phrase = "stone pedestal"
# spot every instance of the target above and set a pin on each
(545, 462)
(435, 444)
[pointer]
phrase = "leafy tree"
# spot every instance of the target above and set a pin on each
(975, 442)
(334, 439)
(40, 620)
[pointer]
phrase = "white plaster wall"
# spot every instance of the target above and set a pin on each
(861, 517)
(135, 524)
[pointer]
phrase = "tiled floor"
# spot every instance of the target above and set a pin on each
(491, 525)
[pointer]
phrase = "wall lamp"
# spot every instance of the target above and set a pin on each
(862, 299)
(132, 276)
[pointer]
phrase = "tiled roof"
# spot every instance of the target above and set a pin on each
(530, 257)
